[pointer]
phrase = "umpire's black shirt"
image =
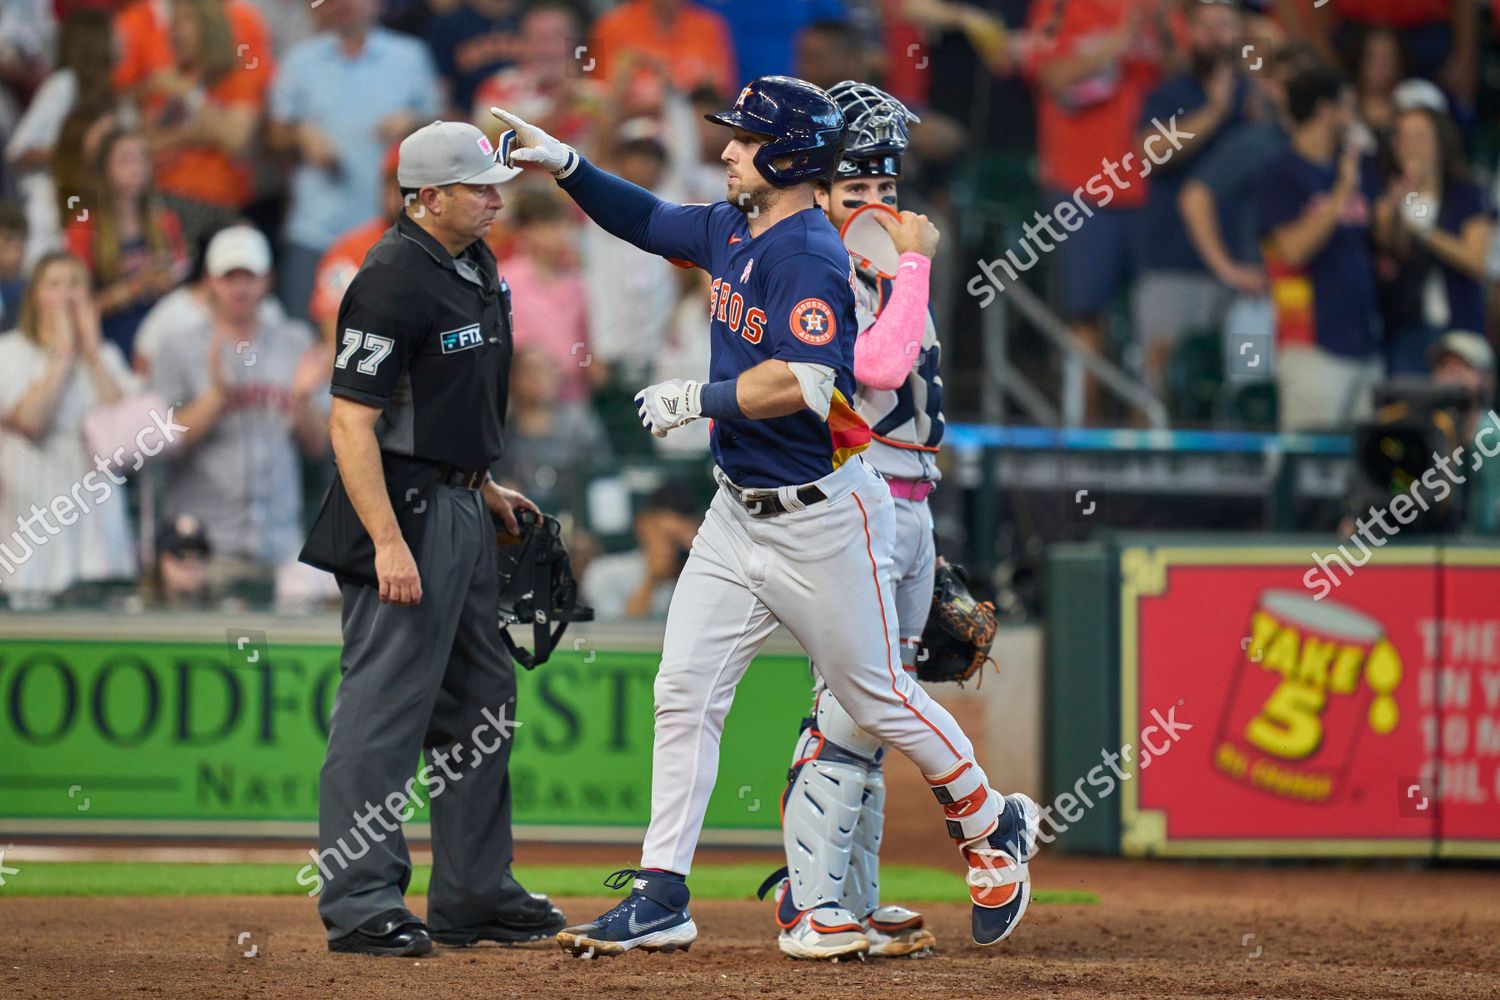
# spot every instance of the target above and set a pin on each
(426, 336)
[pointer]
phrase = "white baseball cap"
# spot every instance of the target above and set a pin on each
(1471, 348)
(1414, 94)
(449, 153)
(238, 248)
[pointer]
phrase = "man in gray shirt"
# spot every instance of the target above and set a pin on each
(250, 390)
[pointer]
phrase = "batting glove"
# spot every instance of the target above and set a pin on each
(669, 404)
(525, 143)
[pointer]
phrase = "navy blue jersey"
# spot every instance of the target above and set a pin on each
(786, 294)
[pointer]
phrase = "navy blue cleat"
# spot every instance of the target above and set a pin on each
(654, 917)
(999, 881)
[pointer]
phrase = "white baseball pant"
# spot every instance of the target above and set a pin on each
(822, 571)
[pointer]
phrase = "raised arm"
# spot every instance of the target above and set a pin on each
(619, 207)
(1298, 241)
(885, 353)
(635, 215)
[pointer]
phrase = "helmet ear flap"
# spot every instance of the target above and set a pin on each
(810, 161)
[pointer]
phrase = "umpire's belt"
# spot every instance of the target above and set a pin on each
(452, 476)
(770, 501)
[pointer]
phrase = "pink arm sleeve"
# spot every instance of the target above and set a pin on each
(885, 353)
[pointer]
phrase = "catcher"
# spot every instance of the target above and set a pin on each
(828, 905)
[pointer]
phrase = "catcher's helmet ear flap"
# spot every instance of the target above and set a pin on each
(802, 122)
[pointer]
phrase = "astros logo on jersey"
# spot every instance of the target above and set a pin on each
(812, 321)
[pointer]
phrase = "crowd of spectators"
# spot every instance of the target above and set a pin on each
(188, 187)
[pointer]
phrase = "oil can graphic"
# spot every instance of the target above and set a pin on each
(1312, 677)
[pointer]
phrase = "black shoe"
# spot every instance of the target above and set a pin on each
(394, 932)
(532, 918)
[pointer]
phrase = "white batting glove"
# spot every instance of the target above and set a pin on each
(525, 143)
(669, 404)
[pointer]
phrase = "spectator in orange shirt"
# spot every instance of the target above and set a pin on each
(1092, 64)
(201, 113)
(131, 243)
(143, 31)
(650, 43)
(347, 254)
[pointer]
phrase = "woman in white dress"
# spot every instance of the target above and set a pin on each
(59, 525)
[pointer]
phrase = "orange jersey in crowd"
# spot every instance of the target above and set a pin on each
(201, 173)
(339, 266)
(696, 51)
(1097, 118)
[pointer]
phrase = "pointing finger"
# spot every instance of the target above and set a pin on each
(507, 118)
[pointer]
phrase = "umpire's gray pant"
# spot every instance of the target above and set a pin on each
(415, 678)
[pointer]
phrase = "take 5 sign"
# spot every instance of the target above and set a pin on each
(1358, 720)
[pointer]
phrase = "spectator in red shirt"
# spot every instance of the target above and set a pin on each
(1092, 63)
(131, 243)
(652, 44)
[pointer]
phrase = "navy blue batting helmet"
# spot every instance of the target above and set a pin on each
(802, 122)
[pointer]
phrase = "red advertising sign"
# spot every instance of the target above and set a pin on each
(1360, 716)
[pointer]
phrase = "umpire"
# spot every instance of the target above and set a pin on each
(419, 392)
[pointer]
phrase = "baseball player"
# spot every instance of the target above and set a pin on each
(800, 531)
(833, 808)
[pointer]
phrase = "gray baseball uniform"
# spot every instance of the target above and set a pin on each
(243, 479)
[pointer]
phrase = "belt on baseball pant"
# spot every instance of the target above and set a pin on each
(464, 480)
(768, 502)
(916, 490)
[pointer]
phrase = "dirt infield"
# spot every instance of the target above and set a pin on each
(1159, 929)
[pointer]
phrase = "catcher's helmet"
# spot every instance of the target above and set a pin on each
(875, 132)
(802, 122)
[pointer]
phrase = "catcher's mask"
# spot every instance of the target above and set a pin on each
(536, 585)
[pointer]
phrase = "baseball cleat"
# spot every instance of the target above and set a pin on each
(654, 917)
(826, 933)
(999, 881)
(896, 932)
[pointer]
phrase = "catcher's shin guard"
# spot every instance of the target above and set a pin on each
(822, 803)
(862, 884)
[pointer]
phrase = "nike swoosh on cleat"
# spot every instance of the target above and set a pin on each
(636, 928)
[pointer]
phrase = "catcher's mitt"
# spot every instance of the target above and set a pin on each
(956, 642)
